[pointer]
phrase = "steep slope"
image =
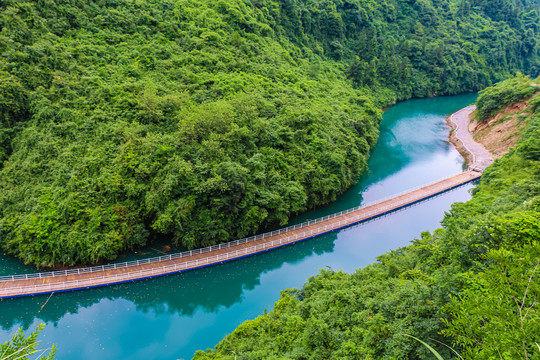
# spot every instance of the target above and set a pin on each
(209, 120)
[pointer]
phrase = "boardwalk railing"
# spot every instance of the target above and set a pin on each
(228, 255)
(145, 273)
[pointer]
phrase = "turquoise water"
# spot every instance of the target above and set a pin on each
(173, 316)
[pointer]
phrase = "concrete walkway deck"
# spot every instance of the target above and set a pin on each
(481, 157)
(41, 283)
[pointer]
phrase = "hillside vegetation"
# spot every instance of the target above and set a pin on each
(473, 284)
(494, 99)
(205, 121)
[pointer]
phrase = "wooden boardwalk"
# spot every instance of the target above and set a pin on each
(41, 283)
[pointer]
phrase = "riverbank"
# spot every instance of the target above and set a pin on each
(172, 314)
(481, 142)
(474, 153)
(490, 241)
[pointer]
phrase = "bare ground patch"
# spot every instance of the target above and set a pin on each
(500, 133)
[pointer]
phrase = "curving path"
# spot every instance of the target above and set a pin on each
(49, 282)
(481, 158)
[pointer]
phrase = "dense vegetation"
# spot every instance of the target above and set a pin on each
(23, 347)
(494, 99)
(209, 120)
(473, 284)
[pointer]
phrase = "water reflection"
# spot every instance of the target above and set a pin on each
(171, 317)
(412, 133)
(208, 289)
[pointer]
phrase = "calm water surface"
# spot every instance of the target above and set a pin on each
(173, 316)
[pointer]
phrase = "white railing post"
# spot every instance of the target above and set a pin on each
(436, 189)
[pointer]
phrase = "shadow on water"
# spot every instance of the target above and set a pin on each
(411, 133)
(10, 265)
(172, 316)
(412, 139)
(180, 293)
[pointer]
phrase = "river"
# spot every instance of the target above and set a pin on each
(171, 317)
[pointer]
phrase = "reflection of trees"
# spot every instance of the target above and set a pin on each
(391, 155)
(208, 288)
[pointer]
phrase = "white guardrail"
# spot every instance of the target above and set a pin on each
(212, 259)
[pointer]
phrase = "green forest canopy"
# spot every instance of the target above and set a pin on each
(494, 99)
(473, 284)
(210, 120)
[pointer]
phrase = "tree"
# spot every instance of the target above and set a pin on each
(497, 315)
(22, 347)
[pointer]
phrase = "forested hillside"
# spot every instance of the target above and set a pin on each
(209, 120)
(473, 284)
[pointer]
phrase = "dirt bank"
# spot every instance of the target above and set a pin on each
(497, 135)
(500, 133)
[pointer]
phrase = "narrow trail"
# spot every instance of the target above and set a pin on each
(481, 157)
